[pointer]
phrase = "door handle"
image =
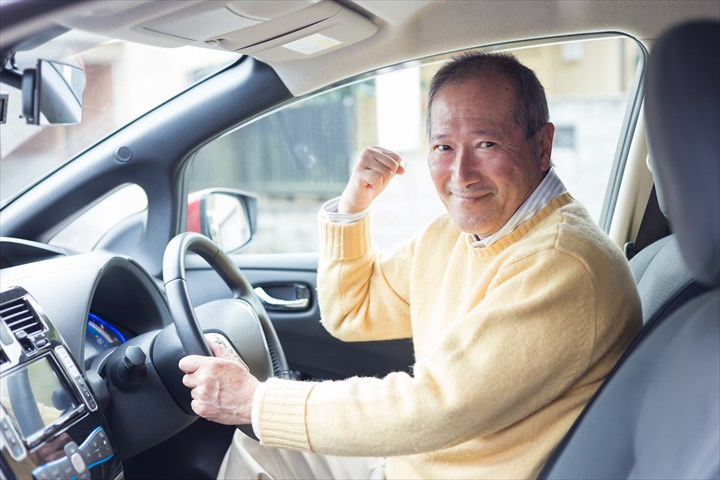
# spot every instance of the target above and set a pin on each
(280, 304)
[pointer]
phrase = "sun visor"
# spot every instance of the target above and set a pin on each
(270, 31)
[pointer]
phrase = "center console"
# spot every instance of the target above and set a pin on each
(50, 424)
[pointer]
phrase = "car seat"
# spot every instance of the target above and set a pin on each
(658, 413)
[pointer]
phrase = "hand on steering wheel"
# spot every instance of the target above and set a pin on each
(222, 388)
(242, 318)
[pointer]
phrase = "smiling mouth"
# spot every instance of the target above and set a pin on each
(470, 196)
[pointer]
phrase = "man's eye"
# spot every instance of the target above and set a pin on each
(486, 144)
(442, 148)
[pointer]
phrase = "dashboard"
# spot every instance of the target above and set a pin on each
(69, 402)
(101, 335)
(51, 426)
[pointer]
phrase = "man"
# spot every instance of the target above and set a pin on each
(517, 304)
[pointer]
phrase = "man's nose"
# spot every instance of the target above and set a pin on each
(466, 168)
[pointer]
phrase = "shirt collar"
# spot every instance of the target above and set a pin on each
(550, 187)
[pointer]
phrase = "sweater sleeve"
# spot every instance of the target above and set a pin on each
(529, 342)
(363, 295)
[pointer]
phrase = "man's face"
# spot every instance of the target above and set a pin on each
(480, 160)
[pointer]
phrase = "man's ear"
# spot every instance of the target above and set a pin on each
(545, 143)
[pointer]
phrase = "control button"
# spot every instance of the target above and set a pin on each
(12, 441)
(67, 470)
(5, 425)
(17, 451)
(96, 448)
(62, 353)
(56, 469)
(78, 462)
(41, 474)
(70, 448)
(53, 470)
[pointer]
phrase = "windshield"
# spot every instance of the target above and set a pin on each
(123, 81)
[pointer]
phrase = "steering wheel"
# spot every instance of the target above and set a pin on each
(242, 318)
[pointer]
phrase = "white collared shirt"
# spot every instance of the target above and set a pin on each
(550, 187)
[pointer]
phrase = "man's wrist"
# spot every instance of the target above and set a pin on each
(255, 412)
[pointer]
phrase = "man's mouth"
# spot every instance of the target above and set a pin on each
(470, 196)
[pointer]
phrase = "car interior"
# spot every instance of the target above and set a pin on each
(97, 307)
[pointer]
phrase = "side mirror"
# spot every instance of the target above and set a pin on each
(52, 93)
(227, 217)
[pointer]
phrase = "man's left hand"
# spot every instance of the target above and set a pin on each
(222, 389)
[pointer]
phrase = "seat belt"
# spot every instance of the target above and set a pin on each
(653, 226)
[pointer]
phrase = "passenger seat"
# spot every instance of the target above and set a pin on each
(663, 280)
(658, 413)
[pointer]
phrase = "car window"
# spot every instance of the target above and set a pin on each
(125, 208)
(300, 156)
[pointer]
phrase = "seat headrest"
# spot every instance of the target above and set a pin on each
(682, 112)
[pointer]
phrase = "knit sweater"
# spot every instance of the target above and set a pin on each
(510, 343)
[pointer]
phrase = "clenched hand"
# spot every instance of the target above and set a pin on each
(370, 176)
(222, 389)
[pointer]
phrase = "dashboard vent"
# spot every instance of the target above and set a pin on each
(19, 317)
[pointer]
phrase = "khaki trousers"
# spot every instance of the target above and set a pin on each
(248, 459)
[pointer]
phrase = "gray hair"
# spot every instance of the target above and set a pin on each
(530, 110)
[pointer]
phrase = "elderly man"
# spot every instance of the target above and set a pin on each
(517, 304)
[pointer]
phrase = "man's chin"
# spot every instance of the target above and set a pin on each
(468, 223)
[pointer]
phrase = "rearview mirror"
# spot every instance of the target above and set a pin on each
(52, 93)
(225, 216)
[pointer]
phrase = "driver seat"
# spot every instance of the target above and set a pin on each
(658, 414)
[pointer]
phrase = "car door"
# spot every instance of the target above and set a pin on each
(312, 353)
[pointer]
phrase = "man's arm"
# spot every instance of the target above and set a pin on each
(359, 301)
(222, 390)
(363, 294)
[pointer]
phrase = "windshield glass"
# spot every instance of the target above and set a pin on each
(123, 81)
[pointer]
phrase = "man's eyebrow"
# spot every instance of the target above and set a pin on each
(479, 131)
(438, 136)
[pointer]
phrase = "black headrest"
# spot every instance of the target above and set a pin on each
(682, 110)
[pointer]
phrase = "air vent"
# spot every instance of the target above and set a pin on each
(19, 317)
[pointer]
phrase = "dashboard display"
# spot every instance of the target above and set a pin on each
(35, 397)
(100, 336)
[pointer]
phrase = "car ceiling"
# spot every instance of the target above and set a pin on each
(379, 33)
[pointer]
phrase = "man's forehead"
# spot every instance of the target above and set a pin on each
(475, 109)
(475, 128)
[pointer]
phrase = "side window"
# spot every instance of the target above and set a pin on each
(296, 158)
(116, 221)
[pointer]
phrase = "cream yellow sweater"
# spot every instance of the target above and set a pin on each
(510, 343)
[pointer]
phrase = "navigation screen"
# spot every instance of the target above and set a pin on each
(35, 397)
